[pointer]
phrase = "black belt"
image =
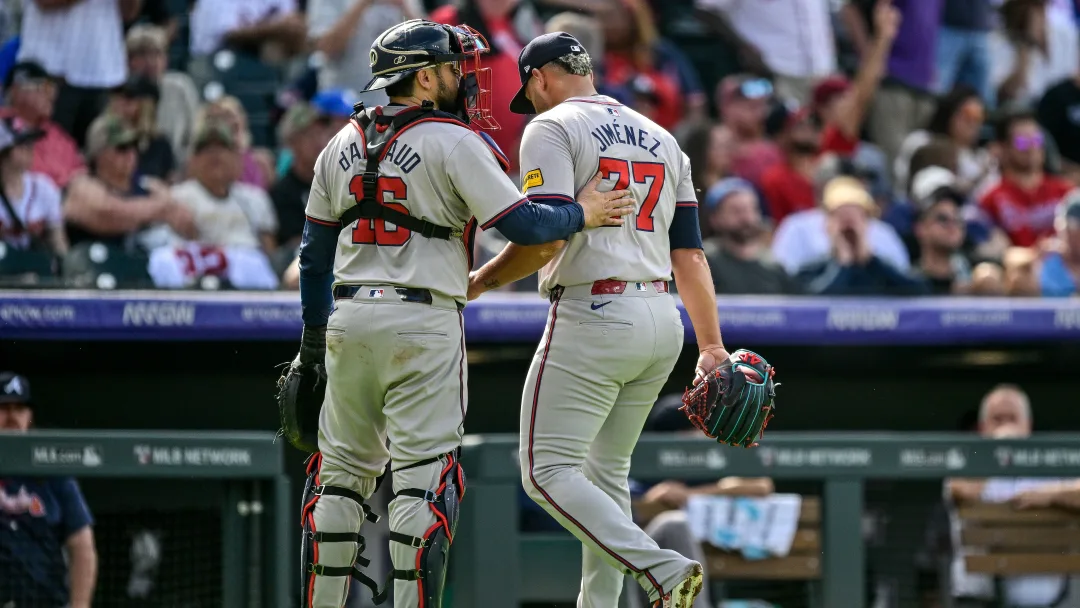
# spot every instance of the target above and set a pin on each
(407, 294)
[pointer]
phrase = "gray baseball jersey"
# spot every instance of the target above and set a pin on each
(561, 151)
(437, 170)
(397, 370)
(605, 355)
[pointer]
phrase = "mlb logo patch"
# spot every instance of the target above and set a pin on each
(612, 111)
(375, 293)
(642, 286)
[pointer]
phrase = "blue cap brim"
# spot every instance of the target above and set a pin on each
(520, 104)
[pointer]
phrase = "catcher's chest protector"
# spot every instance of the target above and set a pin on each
(379, 130)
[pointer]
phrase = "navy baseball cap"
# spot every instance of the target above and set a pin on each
(14, 388)
(725, 188)
(27, 72)
(541, 51)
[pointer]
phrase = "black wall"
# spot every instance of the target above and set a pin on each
(223, 385)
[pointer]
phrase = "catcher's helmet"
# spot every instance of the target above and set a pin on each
(417, 44)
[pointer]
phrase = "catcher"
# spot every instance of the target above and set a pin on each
(395, 201)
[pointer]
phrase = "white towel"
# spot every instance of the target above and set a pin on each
(784, 523)
(757, 527)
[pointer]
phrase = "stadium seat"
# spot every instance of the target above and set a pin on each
(999, 540)
(254, 84)
(179, 48)
(97, 265)
(19, 267)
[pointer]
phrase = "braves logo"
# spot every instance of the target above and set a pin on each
(749, 358)
(21, 502)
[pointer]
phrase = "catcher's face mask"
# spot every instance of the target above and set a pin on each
(474, 90)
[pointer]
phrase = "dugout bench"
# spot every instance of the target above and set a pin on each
(1001, 541)
(496, 565)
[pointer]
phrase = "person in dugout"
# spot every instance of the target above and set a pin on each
(47, 555)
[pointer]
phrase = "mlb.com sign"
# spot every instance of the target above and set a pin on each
(159, 314)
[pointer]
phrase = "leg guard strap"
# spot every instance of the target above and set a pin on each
(453, 456)
(413, 541)
(325, 490)
(338, 537)
(424, 495)
(377, 597)
(407, 575)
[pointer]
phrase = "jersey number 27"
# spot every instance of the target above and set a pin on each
(641, 172)
(375, 232)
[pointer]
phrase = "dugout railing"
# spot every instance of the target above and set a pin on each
(497, 565)
(244, 472)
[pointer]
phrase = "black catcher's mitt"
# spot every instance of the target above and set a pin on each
(301, 388)
(734, 402)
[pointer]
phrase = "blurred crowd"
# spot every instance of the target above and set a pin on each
(846, 147)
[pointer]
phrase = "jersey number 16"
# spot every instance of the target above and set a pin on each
(375, 232)
(641, 172)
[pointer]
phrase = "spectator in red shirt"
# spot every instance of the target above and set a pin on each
(788, 186)
(743, 104)
(1024, 201)
(840, 105)
(507, 25)
(31, 95)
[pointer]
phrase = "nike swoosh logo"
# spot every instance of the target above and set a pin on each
(596, 306)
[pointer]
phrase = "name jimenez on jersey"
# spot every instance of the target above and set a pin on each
(609, 135)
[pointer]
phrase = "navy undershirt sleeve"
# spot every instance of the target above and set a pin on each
(542, 219)
(317, 249)
(685, 231)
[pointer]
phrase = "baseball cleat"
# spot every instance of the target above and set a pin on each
(685, 592)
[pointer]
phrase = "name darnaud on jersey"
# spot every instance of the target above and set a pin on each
(397, 153)
(609, 135)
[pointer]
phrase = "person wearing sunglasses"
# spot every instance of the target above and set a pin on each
(135, 102)
(1024, 201)
(939, 231)
(108, 206)
(743, 105)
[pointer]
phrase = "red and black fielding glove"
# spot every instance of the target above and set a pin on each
(733, 403)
